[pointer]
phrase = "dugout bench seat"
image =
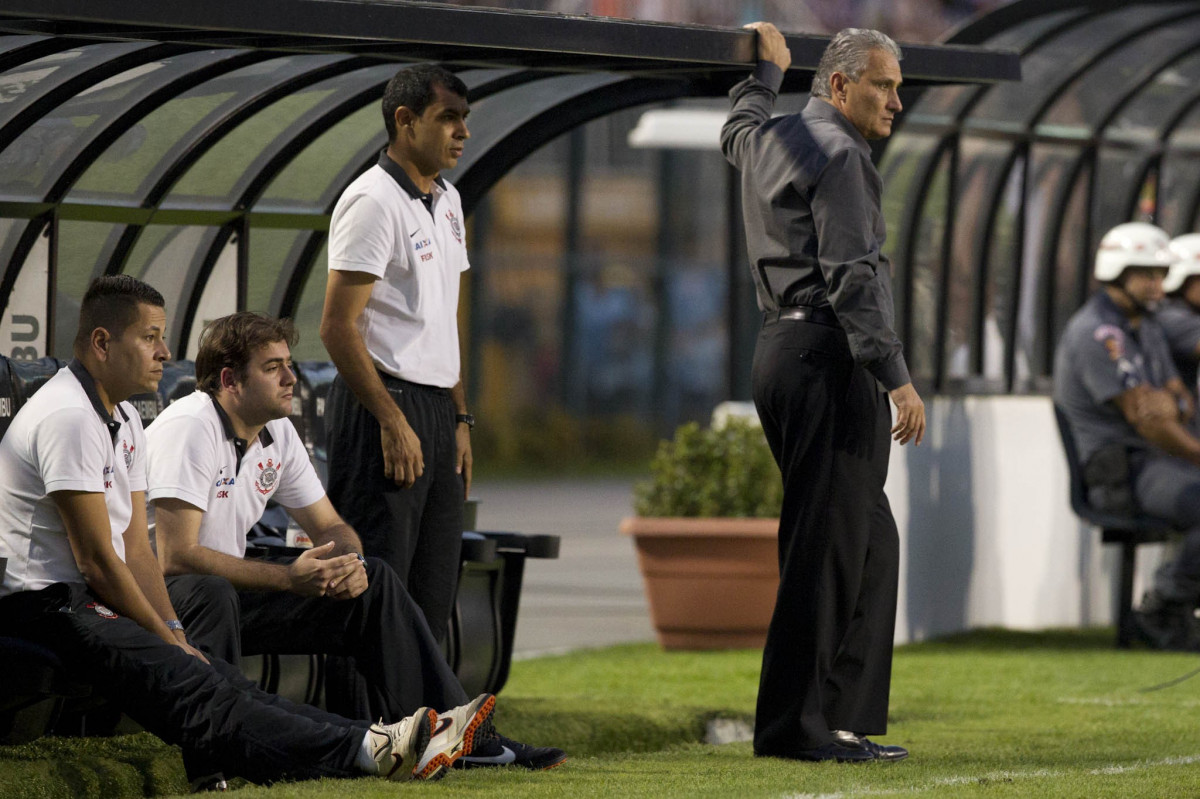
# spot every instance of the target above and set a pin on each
(1124, 531)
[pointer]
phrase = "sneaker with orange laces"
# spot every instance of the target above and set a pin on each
(454, 735)
(398, 748)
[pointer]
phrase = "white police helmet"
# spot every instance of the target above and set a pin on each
(1187, 249)
(1132, 244)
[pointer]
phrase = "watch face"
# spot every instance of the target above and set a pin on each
(465, 418)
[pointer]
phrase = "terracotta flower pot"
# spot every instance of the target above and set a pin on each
(710, 583)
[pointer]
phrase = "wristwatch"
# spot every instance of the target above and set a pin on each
(465, 418)
(174, 625)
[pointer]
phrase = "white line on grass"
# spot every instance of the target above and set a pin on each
(1000, 776)
(1119, 702)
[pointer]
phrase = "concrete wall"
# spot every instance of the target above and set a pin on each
(987, 536)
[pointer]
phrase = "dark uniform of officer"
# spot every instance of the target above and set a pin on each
(1116, 382)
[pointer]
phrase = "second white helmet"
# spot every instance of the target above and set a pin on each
(1187, 249)
(1132, 244)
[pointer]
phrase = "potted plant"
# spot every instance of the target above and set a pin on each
(706, 535)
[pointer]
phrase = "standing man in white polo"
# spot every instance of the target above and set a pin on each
(399, 431)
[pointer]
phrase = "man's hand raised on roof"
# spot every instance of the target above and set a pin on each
(771, 44)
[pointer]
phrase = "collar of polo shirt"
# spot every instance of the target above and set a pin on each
(239, 444)
(89, 387)
(401, 177)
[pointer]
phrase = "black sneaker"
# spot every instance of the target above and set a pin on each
(1166, 624)
(493, 749)
(213, 783)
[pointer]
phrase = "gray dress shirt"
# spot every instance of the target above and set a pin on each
(1181, 323)
(814, 225)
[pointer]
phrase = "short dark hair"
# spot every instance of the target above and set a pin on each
(231, 341)
(111, 302)
(412, 87)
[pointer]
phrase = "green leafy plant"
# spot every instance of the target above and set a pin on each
(725, 472)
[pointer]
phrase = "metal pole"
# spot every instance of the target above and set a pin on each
(570, 388)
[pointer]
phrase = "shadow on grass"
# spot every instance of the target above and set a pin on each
(997, 639)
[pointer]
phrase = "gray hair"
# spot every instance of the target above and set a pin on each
(848, 53)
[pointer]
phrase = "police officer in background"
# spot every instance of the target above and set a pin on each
(824, 365)
(1128, 410)
(1179, 313)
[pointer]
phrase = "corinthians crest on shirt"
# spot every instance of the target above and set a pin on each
(455, 226)
(127, 449)
(267, 476)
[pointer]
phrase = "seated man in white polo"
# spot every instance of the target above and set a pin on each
(215, 458)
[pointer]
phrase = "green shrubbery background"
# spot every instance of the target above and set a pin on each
(708, 472)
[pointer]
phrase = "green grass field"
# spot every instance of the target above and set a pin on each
(988, 714)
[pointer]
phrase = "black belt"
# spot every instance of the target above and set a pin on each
(400, 382)
(802, 313)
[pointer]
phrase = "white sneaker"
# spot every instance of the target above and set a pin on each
(454, 736)
(397, 748)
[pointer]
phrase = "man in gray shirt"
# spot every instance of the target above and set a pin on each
(1128, 410)
(1179, 314)
(825, 357)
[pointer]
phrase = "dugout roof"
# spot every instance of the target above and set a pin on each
(157, 137)
(1000, 194)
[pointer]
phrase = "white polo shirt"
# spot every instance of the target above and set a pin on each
(193, 456)
(64, 440)
(381, 226)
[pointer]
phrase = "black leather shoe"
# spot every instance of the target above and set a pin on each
(836, 751)
(888, 754)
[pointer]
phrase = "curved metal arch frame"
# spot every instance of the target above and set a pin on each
(986, 28)
(39, 47)
(1038, 41)
(1000, 182)
(200, 144)
(1168, 129)
(207, 138)
(1086, 165)
(108, 132)
(207, 264)
(52, 98)
(551, 122)
(285, 152)
(951, 136)
(908, 231)
(286, 149)
(225, 61)
(977, 32)
(203, 139)
(60, 91)
(1088, 157)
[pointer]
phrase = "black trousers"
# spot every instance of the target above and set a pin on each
(222, 721)
(828, 658)
(401, 665)
(418, 530)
